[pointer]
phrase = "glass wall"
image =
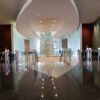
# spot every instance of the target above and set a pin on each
(74, 40)
(18, 41)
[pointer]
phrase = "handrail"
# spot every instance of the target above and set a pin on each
(61, 55)
(66, 55)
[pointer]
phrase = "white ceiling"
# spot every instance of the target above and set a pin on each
(62, 11)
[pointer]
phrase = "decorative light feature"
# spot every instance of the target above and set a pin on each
(46, 44)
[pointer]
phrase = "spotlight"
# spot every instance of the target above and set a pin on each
(42, 95)
(54, 87)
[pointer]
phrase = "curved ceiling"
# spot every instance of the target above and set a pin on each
(60, 17)
(89, 10)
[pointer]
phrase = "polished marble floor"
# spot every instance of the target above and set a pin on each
(50, 81)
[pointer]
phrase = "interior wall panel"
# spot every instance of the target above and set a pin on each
(87, 34)
(64, 43)
(5, 37)
(96, 36)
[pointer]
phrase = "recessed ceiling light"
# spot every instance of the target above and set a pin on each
(40, 21)
(54, 21)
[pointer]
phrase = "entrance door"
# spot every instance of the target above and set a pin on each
(27, 45)
(27, 50)
(64, 43)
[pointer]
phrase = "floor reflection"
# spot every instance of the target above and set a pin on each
(50, 81)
